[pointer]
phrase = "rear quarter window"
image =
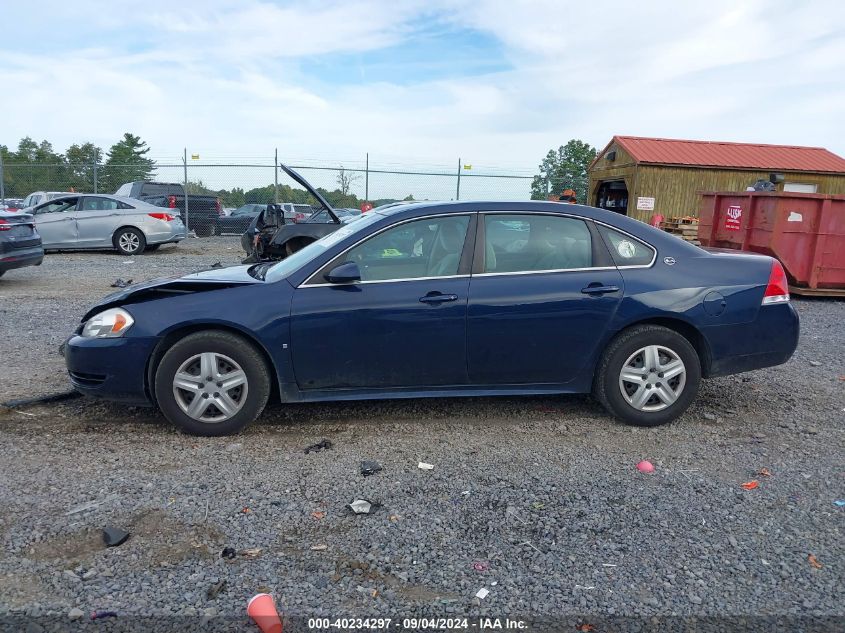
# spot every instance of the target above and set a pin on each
(626, 250)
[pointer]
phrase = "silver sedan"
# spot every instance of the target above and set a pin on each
(88, 221)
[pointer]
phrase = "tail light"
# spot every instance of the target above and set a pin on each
(218, 207)
(4, 225)
(162, 216)
(777, 290)
(171, 202)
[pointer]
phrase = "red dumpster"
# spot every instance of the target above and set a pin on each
(805, 231)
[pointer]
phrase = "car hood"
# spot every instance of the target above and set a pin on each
(200, 281)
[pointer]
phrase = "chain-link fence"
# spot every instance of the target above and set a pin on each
(214, 190)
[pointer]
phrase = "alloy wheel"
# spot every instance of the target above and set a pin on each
(652, 378)
(128, 242)
(210, 387)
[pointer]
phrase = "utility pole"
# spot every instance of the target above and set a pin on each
(276, 176)
(185, 186)
(458, 192)
(367, 179)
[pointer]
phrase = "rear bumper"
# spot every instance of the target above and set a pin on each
(769, 340)
(173, 231)
(112, 369)
(19, 257)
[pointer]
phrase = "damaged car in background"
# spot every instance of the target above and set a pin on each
(20, 243)
(279, 231)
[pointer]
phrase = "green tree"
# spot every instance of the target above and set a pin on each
(565, 168)
(82, 163)
(35, 167)
(127, 161)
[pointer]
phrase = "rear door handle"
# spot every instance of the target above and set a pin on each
(438, 298)
(599, 290)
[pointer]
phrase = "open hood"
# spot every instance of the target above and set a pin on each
(290, 172)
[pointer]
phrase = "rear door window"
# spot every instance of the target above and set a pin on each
(534, 242)
(91, 203)
(626, 250)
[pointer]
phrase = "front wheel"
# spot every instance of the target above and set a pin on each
(212, 383)
(648, 375)
(129, 241)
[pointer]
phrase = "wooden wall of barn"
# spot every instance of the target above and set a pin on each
(675, 189)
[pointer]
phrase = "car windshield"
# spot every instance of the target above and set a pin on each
(301, 257)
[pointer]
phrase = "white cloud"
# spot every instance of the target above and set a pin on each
(226, 78)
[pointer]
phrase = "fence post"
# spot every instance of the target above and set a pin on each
(367, 179)
(2, 185)
(458, 192)
(276, 177)
(95, 177)
(185, 187)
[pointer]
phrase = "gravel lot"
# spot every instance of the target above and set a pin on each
(536, 499)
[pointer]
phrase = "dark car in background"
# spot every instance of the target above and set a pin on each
(203, 211)
(20, 244)
(239, 220)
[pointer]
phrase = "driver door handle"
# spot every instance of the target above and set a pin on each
(599, 290)
(438, 298)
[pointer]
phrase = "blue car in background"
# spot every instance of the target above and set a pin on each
(443, 299)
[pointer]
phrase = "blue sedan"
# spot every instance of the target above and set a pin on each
(443, 299)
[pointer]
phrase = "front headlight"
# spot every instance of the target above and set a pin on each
(108, 324)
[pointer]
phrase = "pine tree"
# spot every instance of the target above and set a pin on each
(126, 162)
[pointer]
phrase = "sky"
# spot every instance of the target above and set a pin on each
(419, 83)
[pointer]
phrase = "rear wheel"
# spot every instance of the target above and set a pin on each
(129, 241)
(212, 383)
(648, 375)
(204, 230)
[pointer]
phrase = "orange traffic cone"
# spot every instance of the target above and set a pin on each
(262, 610)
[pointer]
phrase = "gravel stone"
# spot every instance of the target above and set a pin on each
(554, 494)
(76, 614)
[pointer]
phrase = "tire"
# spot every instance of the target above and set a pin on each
(224, 353)
(204, 230)
(129, 241)
(152, 248)
(643, 397)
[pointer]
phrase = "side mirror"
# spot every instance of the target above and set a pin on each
(346, 273)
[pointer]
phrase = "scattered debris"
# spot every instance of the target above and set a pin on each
(645, 466)
(482, 593)
(465, 492)
(99, 615)
(424, 466)
(765, 472)
(584, 587)
(217, 265)
(393, 518)
(608, 565)
(319, 446)
(480, 566)
(814, 562)
(586, 628)
(215, 590)
(319, 548)
(362, 506)
(262, 610)
(252, 552)
(76, 614)
(83, 507)
(120, 283)
(113, 536)
(370, 468)
(750, 485)
(228, 553)
(815, 363)
(318, 514)
(128, 261)
(839, 503)
(246, 510)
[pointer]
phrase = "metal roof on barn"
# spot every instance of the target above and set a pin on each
(664, 151)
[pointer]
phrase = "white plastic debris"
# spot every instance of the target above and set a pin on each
(360, 506)
(424, 466)
(482, 593)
